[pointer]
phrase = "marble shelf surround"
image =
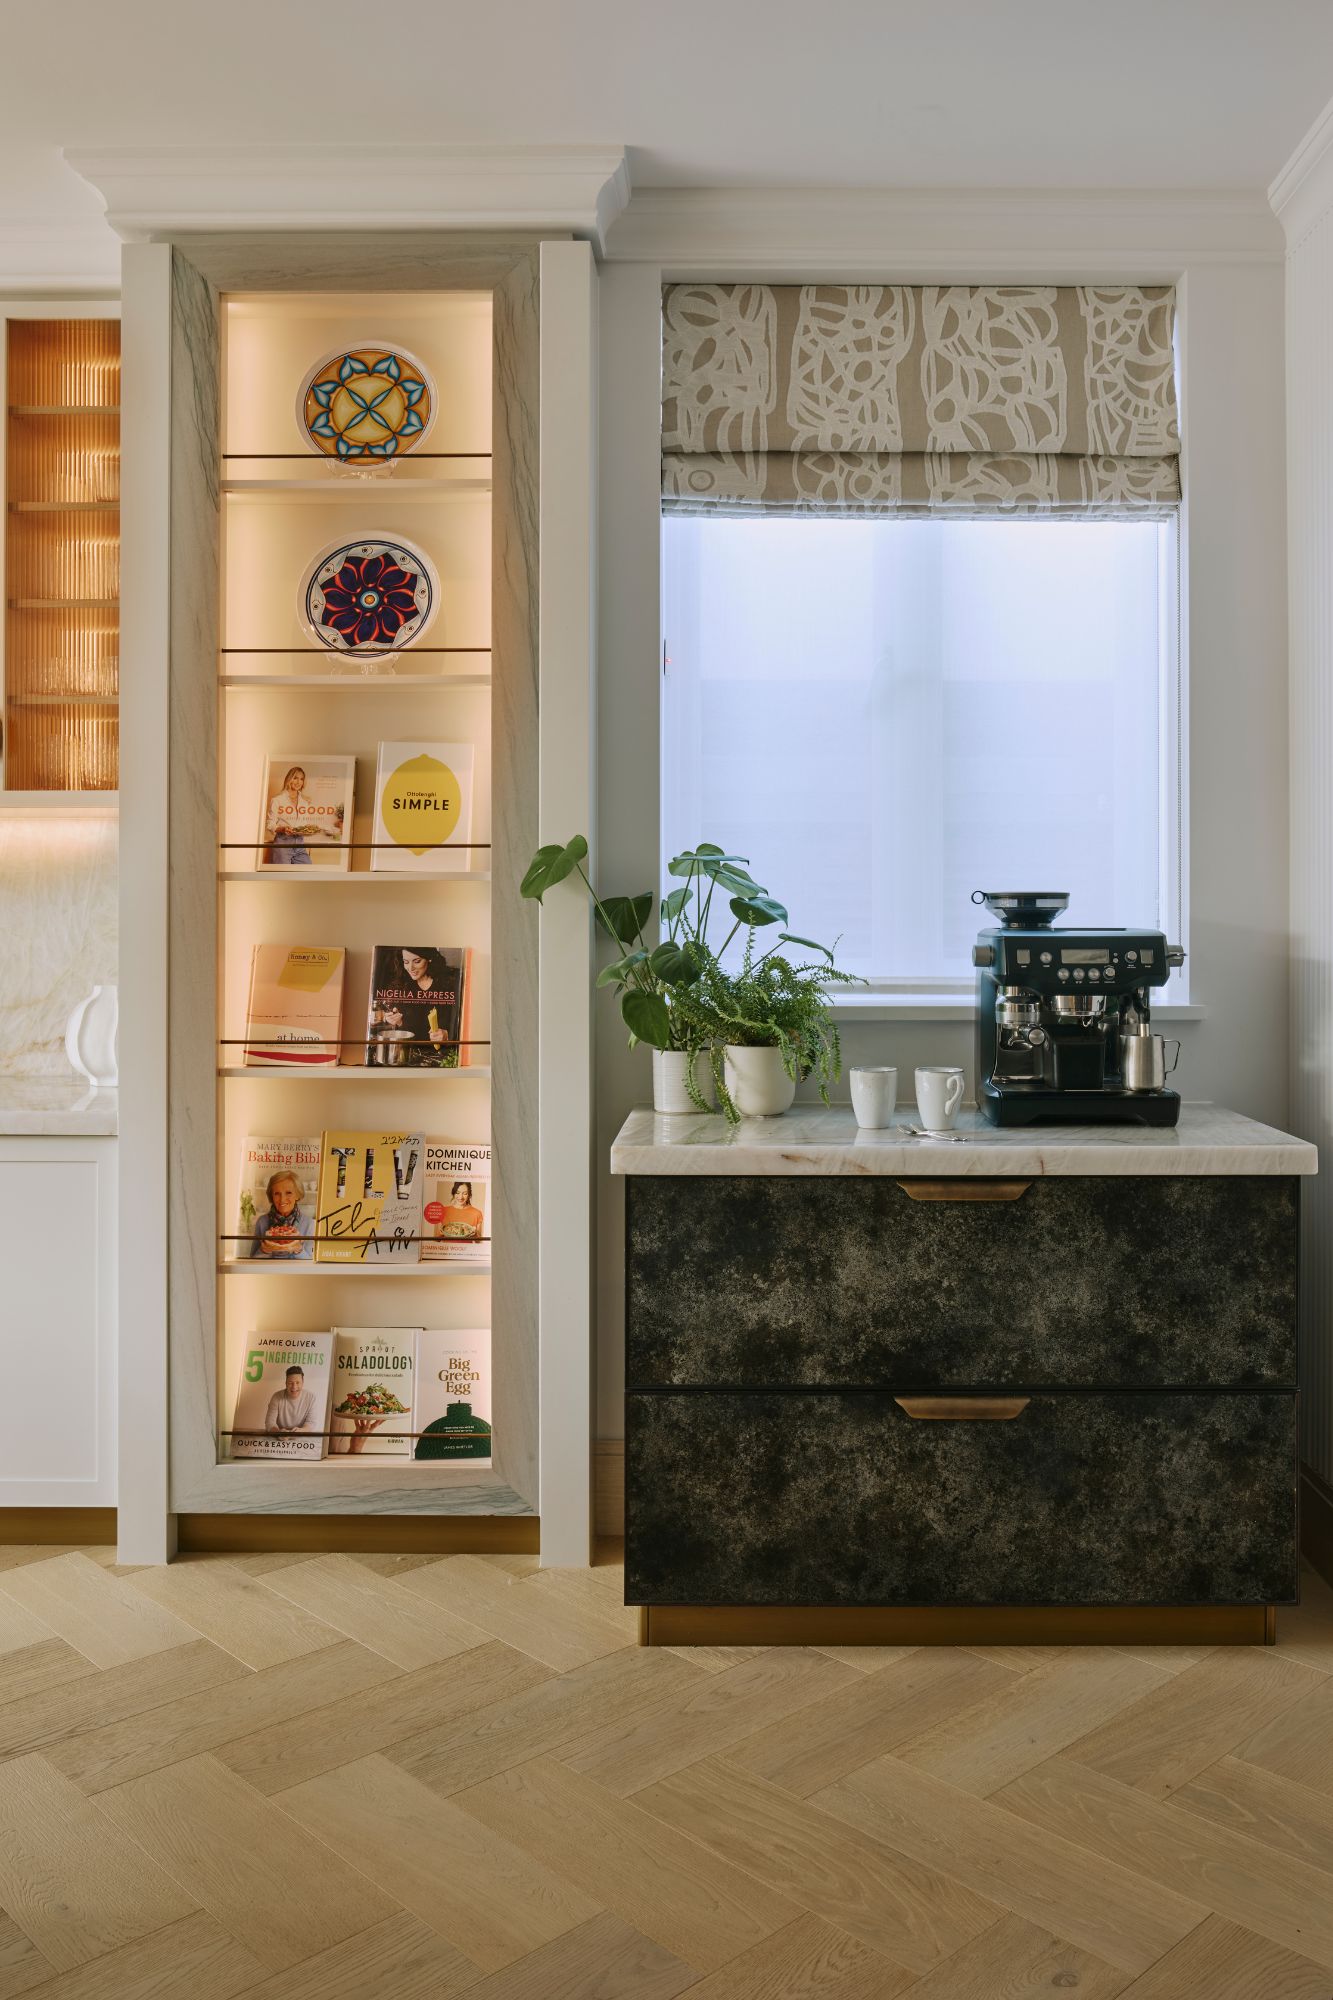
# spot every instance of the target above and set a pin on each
(56, 1107)
(810, 1139)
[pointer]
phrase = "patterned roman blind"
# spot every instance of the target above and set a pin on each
(920, 399)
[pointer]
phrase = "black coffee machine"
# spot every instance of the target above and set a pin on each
(1064, 1022)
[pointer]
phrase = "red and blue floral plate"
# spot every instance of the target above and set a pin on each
(369, 598)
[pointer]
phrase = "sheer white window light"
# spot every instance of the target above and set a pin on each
(885, 714)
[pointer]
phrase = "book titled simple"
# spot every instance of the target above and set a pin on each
(370, 1199)
(371, 1411)
(275, 1221)
(305, 811)
(282, 1398)
(453, 1395)
(456, 1203)
(296, 1006)
(419, 1013)
(423, 808)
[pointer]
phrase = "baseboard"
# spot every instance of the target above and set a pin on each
(358, 1534)
(1317, 1522)
(608, 1486)
(68, 1527)
(949, 1625)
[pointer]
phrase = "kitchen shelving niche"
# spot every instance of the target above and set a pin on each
(219, 524)
(61, 554)
(278, 689)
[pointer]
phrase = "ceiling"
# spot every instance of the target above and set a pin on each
(871, 93)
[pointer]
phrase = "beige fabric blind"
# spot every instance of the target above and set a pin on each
(920, 399)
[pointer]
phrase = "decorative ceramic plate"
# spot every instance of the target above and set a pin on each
(369, 598)
(366, 403)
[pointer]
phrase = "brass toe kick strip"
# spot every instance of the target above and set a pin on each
(958, 1625)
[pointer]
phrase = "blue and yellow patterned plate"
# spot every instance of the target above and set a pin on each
(366, 403)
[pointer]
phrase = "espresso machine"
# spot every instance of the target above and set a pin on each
(1064, 1017)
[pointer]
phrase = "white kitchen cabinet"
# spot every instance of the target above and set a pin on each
(58, 1321)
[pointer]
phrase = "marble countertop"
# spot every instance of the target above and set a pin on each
(55, 1107)
(812, 1140)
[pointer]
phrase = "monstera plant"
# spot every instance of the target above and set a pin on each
(677, 996)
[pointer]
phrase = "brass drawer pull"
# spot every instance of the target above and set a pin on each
(964, 1409)
(961, 1189)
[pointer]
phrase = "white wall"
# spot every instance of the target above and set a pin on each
(1225, 257)
(1303, 196)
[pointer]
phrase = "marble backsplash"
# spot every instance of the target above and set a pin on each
(58, 925)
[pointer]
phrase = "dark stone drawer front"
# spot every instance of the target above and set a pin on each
(842, 1499)
(759, 1282)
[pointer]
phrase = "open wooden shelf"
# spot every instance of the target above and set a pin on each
(436, 1268)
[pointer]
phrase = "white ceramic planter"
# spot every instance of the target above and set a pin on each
(760, 1087)
(670, 1092)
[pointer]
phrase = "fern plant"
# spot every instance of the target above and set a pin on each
(770, 1002)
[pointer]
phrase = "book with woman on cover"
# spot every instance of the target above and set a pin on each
(453, 1395)
(282, 1398)
(420, 1010)
(305, 813)
(423, 808)
(295, 1014)
(455, 1214)
(371, 1413)
(370, 1198)
(276, 1219)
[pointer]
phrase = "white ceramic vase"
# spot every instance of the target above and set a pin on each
(670, 1087)
(760, 1087)
(90, 1036)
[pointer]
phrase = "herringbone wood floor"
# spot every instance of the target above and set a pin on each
(327, 1778)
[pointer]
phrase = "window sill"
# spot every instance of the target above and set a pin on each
(849, 1007)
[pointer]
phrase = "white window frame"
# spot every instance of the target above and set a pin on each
(941, 996)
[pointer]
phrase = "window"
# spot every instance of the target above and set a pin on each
(885, 715)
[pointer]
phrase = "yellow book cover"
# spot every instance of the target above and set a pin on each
(423, 809)
(370, 1198)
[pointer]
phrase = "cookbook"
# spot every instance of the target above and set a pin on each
(275, 1221)
(282, 1398)
(370, 1198)
(456, 1203)
(419, 1013)
(423, 808)
(371, 1409)
(305, 811)
(453, 1395)
(295, 1014)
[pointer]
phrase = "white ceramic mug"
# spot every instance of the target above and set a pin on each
(939, 1092)
(874, 1094)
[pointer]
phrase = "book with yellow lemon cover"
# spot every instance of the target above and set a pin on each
(423, 808)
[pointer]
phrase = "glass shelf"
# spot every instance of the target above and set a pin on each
(64, 409)
(435, 1267)
(355, 1072)
(360, 683)
(309, 876)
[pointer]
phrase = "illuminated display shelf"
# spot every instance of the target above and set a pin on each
(59, 674)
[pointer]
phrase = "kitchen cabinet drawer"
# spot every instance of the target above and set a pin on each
(1098, 1282)
(841, 1498)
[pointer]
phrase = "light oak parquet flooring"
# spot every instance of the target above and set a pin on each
(380, 1777)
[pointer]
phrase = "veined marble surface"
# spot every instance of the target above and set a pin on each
(55, 1107)
(58, 919)
(812, 1140)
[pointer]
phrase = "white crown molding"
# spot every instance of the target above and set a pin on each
(59, 254)
(158, 191)
(981, 235)
(1303, 191)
